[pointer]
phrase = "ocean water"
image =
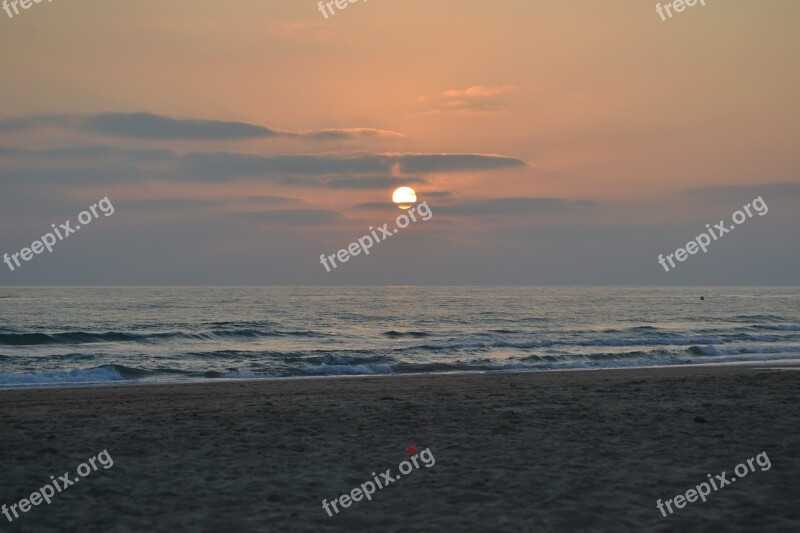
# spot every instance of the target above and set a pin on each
(79, 336)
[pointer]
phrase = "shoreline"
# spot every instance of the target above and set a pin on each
(787, 363)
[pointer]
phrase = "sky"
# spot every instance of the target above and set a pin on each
(565, 142)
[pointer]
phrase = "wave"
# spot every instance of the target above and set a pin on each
(660, 339)
(759, 317)
(777, 327)
(601, 356)
(78, 337)
(352, 370)
(350, 366)
(644, 341)
(239, 374)
(90, 375)
(99, 374)
(501, 332)
(704, 350)
(81, 337)
(397, 334)
(741, 350)
(256, 333)
(340, 359)
(677, 341)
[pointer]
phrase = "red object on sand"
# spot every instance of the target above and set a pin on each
(411, 450)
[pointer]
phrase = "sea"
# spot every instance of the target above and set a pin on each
(89, 336)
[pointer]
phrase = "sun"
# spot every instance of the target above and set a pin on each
(404, 197)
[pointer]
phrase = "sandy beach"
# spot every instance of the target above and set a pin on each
(557, 451)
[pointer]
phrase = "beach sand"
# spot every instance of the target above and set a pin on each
(556, 451)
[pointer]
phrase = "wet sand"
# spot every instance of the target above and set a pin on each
(557, 451)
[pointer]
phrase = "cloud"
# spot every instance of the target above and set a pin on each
(513, 206)
(348, 133)
(227, 165)
(777, 189)
(350, 182)
(439, 195)
(272, 199)
(88, 152)
(150, 126)
(473, 108)
(414, 163)
(252, 202)
(374, 205)
(478, 91)
(295, 217)
(19, 124)
(107, 164)
(373, 183)
(474, 100)
(161, 204)
(100, 173)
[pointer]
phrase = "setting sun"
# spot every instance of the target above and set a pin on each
(404, 197)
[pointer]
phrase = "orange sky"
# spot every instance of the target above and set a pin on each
(605, 107)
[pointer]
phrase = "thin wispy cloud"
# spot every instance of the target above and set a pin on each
(478, 91)
(455, 162)
(513, 206)
(291, 218)
(473, 100)
(226, 165)
(507, 207)
(782, 189)
(347, 133)
(355, 171)
(373, 183)
(150, 126)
